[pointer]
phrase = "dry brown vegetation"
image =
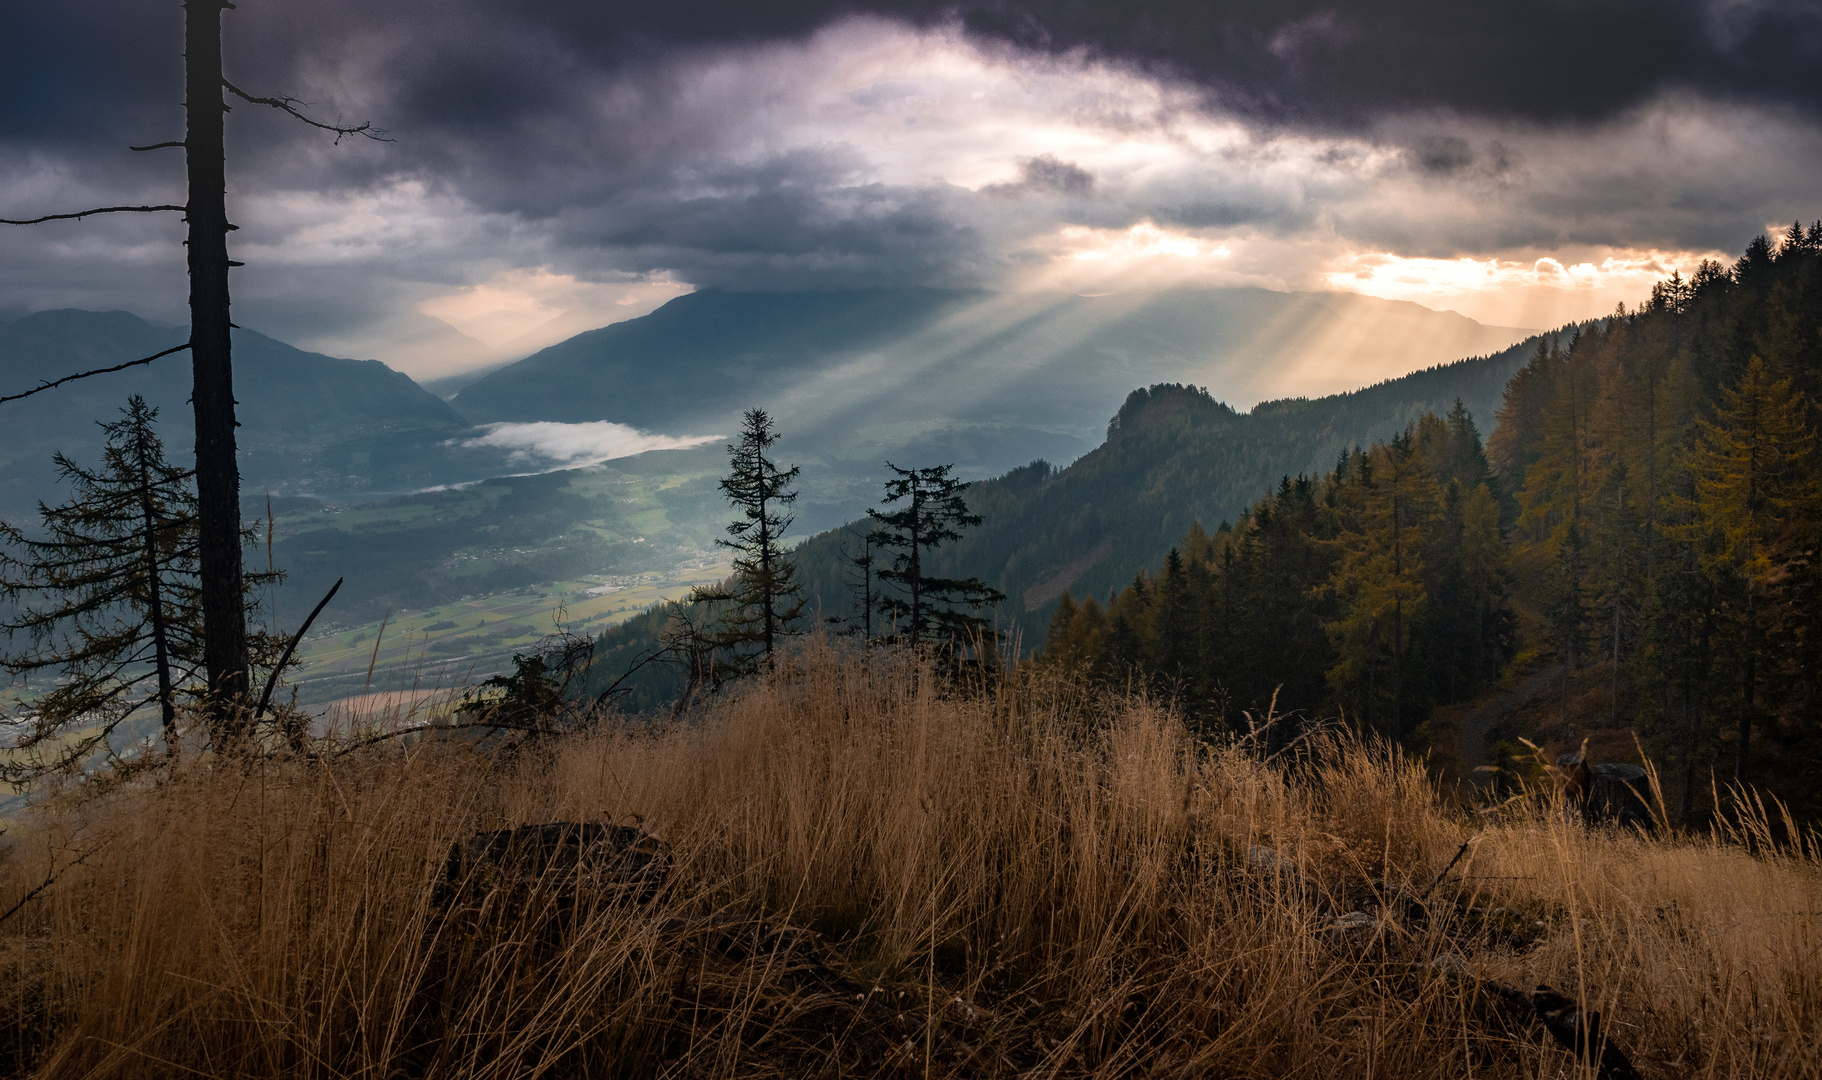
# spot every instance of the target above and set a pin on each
(875, 876)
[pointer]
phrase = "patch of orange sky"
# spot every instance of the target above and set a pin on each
(1528, 289)
(1541, 292)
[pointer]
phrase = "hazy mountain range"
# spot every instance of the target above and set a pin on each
(988, 381)
(1171, 456)
(307, 422)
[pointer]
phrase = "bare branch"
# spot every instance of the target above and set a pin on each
(50, 878)
(289, 105)
(616, 687)
(41, 387)
(266, 698)
(97, 210)
(159, 145)
(423, 729)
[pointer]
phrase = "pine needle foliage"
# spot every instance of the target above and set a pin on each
(930, 512)
(106, 595)
(758, 607)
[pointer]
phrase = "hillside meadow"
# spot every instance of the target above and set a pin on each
(876, 872)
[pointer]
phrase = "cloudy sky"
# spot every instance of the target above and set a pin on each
(560, 164)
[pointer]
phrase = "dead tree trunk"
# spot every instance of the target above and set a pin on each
(224, 616)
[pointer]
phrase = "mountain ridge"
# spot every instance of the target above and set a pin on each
(856, 374)
(307, 421)
(1173, 456)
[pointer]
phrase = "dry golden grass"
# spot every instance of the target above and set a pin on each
(875, 877)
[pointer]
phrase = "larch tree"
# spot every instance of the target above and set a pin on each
(106, 594)
(1752, 471)
(1378, 580)
(1619, 558)
(1553, 505)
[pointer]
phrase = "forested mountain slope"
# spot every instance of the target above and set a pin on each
(1669, 488)
(1659, 565)
(1378, 590)
(1173, 456)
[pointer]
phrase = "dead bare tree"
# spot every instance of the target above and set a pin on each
(225, 646)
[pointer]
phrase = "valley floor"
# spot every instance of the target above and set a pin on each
(464, 642)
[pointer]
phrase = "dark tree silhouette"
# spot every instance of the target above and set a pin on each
(759, 604)
(107, 596)
(926, 608)
(863, 588)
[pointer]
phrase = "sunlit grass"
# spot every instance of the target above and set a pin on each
(1027, 881)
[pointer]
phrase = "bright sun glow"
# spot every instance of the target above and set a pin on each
(1142, 241)
(1538, 292)
(524, 310)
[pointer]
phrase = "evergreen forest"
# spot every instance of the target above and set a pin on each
(1639, 535)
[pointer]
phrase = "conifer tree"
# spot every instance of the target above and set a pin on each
(106, 594)
(1379, 579)
(758, 606)
(930, 513)
(1173, 634)
(862, 589)
(1370, 589)
(1513, 444)
(1619, 558)
(1752, 476)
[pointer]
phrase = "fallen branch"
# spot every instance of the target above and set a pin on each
(1445, 870)
(1574, 1028)
(616, 688)
(42, 387)
(97, 210)
(420, 729)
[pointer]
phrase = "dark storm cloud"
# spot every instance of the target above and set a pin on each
(73, 71)
(602, 139)
(784, 223)
(1329, 63)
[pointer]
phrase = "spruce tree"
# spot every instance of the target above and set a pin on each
(930, 513)
(758, 606)
(107, 595)
(863, 589)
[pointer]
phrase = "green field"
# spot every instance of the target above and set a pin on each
(510, 536)
(465, 641)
